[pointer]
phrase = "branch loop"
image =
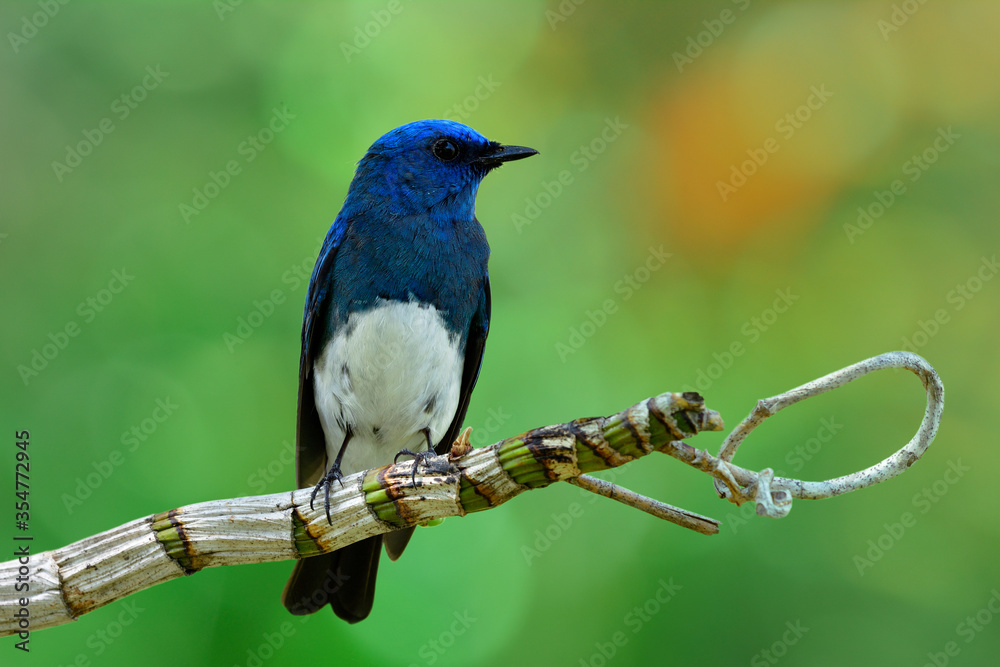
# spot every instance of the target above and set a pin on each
(773, 495)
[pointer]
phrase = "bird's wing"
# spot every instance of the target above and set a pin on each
(479, 328)
(310, 451)
(345, 578)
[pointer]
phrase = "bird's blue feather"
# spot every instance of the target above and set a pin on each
(403, 266)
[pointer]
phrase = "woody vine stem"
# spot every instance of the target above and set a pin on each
(66, 583)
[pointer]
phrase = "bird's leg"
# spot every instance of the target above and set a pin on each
(419, 458)
(333, 473)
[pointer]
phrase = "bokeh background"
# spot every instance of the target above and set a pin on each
(822, 176)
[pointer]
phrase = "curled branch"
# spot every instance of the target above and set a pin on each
(73, 580)
(773, 495)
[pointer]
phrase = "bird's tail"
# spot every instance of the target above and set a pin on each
(345, 579)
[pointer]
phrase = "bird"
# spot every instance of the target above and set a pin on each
(396, 317)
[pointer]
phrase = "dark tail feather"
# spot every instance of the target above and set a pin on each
(345, 579)
(358, 567)
(396, 541)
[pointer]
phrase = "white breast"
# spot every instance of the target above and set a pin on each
(393, 372)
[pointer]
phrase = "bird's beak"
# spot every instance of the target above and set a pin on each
(499, 154)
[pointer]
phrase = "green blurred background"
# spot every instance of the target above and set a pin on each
(640, 111)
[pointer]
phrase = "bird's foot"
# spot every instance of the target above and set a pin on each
(332, 474)
(461, 446)
(419, 459)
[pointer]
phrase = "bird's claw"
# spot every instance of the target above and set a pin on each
(419, 459)
(332, 474)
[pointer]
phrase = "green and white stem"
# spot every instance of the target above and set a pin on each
(69, 582)
(76, 579)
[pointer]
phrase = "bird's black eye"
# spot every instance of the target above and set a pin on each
(445, 150)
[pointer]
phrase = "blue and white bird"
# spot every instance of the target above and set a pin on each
(395, 322)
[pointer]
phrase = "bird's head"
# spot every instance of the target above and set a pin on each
(432, 165)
